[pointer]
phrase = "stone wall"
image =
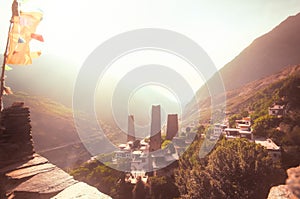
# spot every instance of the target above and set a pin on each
(15, 135)
(25, 174)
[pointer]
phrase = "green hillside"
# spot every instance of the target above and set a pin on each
(241, 99)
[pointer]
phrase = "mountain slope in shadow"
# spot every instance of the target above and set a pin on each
(266, 55)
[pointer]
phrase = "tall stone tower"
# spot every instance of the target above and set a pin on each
(131, 131)
(172, 126)
(155, 132)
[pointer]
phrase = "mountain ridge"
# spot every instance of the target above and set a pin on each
(276, 49)
(237, 99)
(266, 55)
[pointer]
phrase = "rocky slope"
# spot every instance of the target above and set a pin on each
(266, 55)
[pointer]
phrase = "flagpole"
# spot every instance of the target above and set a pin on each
(3, 68)
(14, 13)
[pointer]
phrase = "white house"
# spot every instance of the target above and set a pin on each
(272, 148)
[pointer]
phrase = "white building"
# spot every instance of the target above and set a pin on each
(272, 148)
(231, 133)
(246, 121)
(218, 131)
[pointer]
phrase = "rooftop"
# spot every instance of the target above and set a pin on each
(231, 129)
(277, 106)
(267, 143)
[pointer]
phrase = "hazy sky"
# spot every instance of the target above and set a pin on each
(72, 29)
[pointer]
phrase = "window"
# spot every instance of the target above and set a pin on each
(128, 155)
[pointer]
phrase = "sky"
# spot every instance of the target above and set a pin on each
(73, 29)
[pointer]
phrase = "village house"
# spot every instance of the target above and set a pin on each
(273, 149)
(140, 157)
(277, 110)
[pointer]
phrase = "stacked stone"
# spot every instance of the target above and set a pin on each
(15, 134)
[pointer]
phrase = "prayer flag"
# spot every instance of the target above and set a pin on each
(37, 37)
(22, 31)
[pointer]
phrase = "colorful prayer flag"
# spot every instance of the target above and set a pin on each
(37, 37)
(21, 40)
(35, 54)
(22, 31)
(8, 68)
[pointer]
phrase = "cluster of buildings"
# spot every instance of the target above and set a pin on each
(243, 130)
(141, 156)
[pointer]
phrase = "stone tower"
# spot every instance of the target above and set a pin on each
(155, 132)
(131, 131)
(172, 126)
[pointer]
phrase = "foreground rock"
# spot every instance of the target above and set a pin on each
(293, 181)
(25, 174)
(39, 179)
(291, 190)
(280, 192)
(81, 190)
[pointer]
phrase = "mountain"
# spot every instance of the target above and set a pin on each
(50, 76)
(53, 130)
(54, 133)
(239, 99)
(266, 55)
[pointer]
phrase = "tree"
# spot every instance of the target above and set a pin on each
(232, 119)
(100, 176)
(235, 169)
(263, 124)
(124, 188)
(165, 143)
(139, 190)
(291, 91)
(163, 187)
(241, 169)
(186, 163)
(245, 113)
(169, 146)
